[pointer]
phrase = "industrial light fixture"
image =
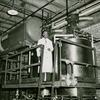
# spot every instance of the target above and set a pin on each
(12, 11)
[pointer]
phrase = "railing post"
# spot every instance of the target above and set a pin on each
(5, 80)
(20, 67)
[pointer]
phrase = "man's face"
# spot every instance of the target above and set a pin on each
(45, 34)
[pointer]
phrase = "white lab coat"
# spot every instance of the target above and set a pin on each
(47, 55)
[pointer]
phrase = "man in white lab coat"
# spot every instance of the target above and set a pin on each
(47, 54)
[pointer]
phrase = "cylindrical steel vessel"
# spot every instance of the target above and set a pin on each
(78, 54)
(26, 33)
(77, 50)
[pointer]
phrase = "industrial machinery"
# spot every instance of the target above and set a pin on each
(73, 78)
(75, 62)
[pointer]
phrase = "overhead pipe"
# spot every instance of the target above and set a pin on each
(58, 30)
(81, 14)
(85, 18)
(60, 25)
(96, 41)
(90, 10)
(64, 22)
(1, 48)
(88, 6)
(54, 19)
(66, 15)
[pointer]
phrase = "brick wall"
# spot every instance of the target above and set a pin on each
(95, 30)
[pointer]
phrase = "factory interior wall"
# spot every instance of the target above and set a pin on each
(95, 30)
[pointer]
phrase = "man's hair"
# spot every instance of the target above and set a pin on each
(43, 32)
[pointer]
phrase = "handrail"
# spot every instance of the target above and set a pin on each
(29, 49)
(26, 66)
(77, 63)
(74, 43)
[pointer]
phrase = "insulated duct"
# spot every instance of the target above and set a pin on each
(1, 48)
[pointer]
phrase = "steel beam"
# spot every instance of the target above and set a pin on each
(67, 8)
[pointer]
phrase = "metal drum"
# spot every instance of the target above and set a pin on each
(78, 54)
(84, 74)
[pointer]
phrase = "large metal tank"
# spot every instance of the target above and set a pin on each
(26, 33)
(78, 54)
(84, 74)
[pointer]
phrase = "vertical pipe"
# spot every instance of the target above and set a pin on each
(29, 61)
(95, 70)
(66, 14)
(60, 60)
(94, 56)
(54, 69)
(42, 20)
(24, 25)
(56, 58)
(40, 74)
(5, 81)
(12, 3)
(11, 67)
(93, 51)
(1, 48)
(20, 69)
(50, 16)
(66, 8)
